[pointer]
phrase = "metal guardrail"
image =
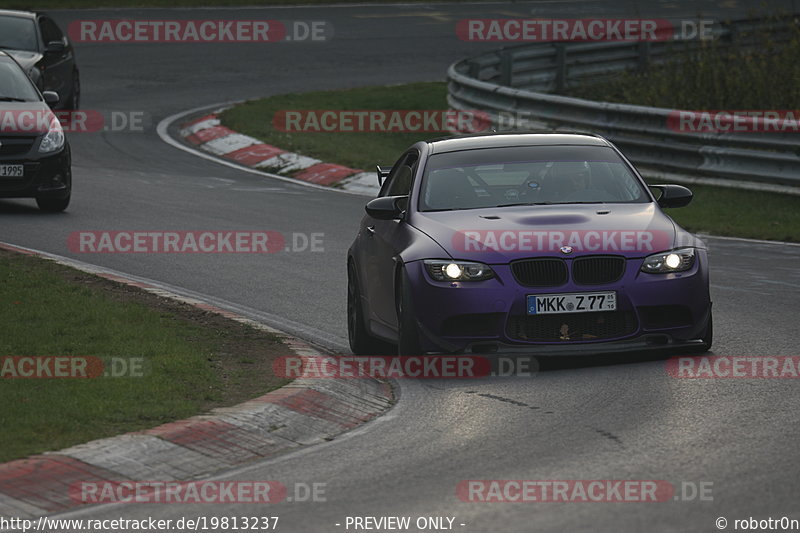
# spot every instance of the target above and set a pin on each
(513, 86)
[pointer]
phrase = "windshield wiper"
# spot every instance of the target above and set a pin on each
(547, 203)
(11, 99)
(525, 203)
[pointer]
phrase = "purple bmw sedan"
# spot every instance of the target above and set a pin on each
(540, 244)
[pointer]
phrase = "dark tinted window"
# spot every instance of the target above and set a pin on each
(50, 31)
(17, 33)
(533, 174)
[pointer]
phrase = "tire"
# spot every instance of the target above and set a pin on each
(708, 336)
(361, 342)
(53, 205)
(408, 333)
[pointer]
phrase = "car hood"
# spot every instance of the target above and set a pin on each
(500, 235)
(25, 58)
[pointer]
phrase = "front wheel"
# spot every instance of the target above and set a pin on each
(75, 99)
(53, 205)
(408, 333)
(361, 342)
(708, 336)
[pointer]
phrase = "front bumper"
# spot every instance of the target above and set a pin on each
(44, 177)
(654, 311)
(645, 342)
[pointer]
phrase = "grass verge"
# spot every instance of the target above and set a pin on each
(714, 210)
(192, 360)
(737, 213)
(356, 150)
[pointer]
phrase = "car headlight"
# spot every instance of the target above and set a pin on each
(54, 140)
(442, 270)
(666, 262)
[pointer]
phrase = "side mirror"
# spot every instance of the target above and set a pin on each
(673, 195)
(55, 47)
(51, 98)
(383, 173)
(387, 207)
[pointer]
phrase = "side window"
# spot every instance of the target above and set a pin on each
(50, 31)
(399, 181)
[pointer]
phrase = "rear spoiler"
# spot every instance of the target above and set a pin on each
(383, 173)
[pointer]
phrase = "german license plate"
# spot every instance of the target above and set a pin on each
(583, 302)
(11, 171)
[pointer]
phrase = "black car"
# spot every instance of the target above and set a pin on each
(35, 160)
(44, 52)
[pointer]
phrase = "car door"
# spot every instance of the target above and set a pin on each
(58, 65)
(383, 237)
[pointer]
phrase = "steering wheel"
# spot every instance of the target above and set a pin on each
(531, 188)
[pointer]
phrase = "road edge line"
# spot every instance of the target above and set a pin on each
(303, 412)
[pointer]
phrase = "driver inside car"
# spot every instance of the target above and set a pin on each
(566, 180)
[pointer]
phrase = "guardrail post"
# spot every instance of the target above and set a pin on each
(474, 70)
(644, 54)
(561, 67)
(505, 68)
(734, 34)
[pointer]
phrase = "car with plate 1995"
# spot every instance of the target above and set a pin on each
(35, 157)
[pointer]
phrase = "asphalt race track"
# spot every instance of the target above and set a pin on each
(627, 420)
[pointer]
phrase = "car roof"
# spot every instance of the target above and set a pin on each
(21, 14)
(502, 140)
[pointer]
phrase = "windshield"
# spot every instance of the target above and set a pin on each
(18, 33)
(14, 84)
(491, 177)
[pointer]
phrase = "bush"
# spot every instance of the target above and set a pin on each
(755, 72)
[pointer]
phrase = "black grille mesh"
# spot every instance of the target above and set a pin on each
(16, 145)
(545, 272)
(580, 326)
(596, 270)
